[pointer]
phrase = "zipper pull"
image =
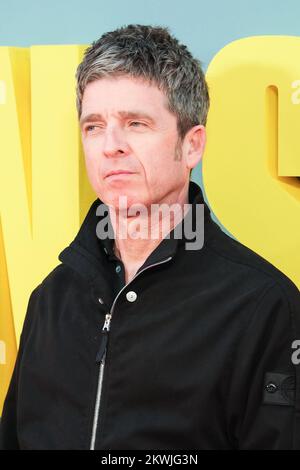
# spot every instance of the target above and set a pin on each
(106, 325)
(105, 331)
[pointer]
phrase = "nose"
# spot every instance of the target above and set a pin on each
(115, 144)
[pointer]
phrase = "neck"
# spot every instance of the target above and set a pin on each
(137, 236)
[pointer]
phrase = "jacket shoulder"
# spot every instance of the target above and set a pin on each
(58, 284)
(242, 261)
(61, 276)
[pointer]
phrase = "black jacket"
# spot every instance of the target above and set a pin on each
(197, 356)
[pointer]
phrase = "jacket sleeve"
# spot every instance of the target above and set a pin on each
(264, 393)
(9, 419)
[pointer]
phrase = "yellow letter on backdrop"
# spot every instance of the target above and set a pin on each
(251, 166)
(44, 192)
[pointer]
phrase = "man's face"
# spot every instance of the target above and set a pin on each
(131, 129)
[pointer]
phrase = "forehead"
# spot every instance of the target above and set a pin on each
(124, 94)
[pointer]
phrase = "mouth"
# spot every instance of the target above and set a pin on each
(118, 173)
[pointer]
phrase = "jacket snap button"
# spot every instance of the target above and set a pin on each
(131, 296)
(100, 300)
(271, 387)
(118, 269)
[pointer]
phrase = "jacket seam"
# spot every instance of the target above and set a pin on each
(275, 279)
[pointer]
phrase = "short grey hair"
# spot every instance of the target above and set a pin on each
(152, 54)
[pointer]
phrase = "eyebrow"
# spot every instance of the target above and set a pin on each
(123, 114)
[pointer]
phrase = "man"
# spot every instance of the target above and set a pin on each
(153, 342)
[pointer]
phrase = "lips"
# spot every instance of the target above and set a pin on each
(119, 172)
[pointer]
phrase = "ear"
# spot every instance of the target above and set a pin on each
(194, 145)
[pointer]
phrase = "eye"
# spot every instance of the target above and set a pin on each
(137, 123)
(88, 128)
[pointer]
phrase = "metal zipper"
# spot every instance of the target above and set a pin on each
(102, 353)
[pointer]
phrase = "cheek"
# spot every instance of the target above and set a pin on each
(161, 157)
(92, 163)
(151, 150)
(90, 149)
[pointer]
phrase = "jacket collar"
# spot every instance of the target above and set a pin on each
(88, 255)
